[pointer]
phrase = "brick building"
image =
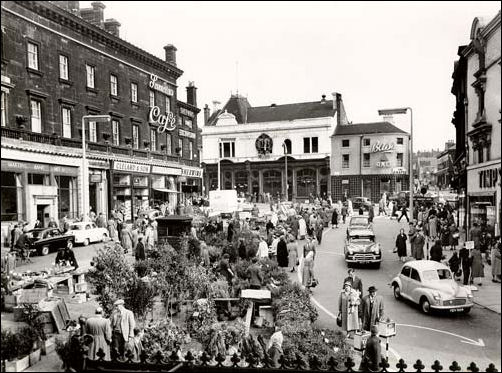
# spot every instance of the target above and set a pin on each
(368, 159)
(444, 173)
(60, 63)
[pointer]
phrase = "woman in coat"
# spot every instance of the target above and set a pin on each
(496, 256)
(308, 269)
(302, 228)
(454, 235)
(334, 218)
(112, 230)
(282, 253)
(292, 253)
(401, 245)
(436, 252)
(101, 331)
(417, 246)
(466, 261)
(126, 238)
(477, 266)
(445, 234)
(348, 308)
(454, 263)
(433, 227)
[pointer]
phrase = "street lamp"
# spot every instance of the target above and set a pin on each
(220, 153)
(404, 111)
(85, 170)
(285, 148)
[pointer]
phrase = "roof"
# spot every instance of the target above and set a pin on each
(245, 113)
(421, 265)
(367, 128)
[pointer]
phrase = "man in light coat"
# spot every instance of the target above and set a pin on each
(100, 328)
(371, 309)
(123, 325)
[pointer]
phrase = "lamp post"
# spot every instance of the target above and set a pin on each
(404, 111)
(285, 148)
(220, 153)
(85, 170)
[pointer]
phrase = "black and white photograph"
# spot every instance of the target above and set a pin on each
(225, 186)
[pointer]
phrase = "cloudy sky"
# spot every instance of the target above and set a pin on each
(376, 54)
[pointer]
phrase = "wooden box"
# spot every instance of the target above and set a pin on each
(17, 365)
(386, 329)
(18, 313)
(81, 287)
(62, 289)
(360, 339)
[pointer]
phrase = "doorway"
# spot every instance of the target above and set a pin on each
(43, 214)
(92, 197)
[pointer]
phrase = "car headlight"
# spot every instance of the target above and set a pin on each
(376, 248)
(436, 295)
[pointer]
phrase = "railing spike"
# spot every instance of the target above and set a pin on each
(473, 367)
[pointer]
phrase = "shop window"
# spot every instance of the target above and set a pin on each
(345, 161)
(135, 136)
(272, 182)
(227, 149)
(93, 133)
(121, 179)
(33, 56)
(11, 197)
(400, 141)
(66, 119)
(241, 182)
(400, 159)
(4, 108)
(63, 67)
(39, 179)
(168, 104)
(115, 132)
(345, 143)
(114, 85)
(141, 181)
(67, 196)
(134, 92)
(367, 142)
(366, 159)
(36, 116)
(90, 75)
(153, 139)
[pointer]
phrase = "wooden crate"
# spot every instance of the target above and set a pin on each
(81, 287)
(18, 313)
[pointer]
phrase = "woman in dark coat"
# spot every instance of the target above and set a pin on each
(401, 245)
(140, 249)
(454, 263)
(466, 260)
(477, 266)
(436, 252)
(334, 219)
(454, 235)
(282, 253)
(445, 234)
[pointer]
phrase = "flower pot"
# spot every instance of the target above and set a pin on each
(48, 346)
(35, 356)
(17, 365)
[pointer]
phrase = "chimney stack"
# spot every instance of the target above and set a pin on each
(70, 6)
(94, 15)
(337, 98)
(170, 54)
(192, 94)
(112, 26)
(323, 99)
(388, 118)
(207, 114)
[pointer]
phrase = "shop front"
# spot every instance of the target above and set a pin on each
(190, 183)
(99, 172)
(163, 185)
(483, 193)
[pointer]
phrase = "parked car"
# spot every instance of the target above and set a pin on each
(432, 286)
(358, 202)
(359, 222)
(360, 247)
(46, 240)
(88, 232)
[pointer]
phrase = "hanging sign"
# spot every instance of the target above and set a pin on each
(166, 121)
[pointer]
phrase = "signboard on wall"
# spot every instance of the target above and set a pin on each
(188, 134)
(131, 167)
(380, 147)
(166, 170)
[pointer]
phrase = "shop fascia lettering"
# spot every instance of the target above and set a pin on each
(132, 167)
(488, 178)
(379, 147)
(158, 86)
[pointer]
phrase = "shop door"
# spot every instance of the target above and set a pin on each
(92, 197)
(366, 188)
(43, 214)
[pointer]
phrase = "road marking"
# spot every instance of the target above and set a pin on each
(463, 339)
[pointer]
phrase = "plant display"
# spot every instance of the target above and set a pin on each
(219, 288)
(17, 344)
(140, 296)
(291, 303)
(193, 247)
(203, 317)
(163, 336)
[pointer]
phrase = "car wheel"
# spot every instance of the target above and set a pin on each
(397, 292)
(377, 265)
(105, 237)
(467, 310)
(425, 305)
(44, 251)
(86, 242)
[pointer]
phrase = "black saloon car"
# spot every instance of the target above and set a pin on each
(46, 240)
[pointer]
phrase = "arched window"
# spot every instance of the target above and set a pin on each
(306, 182)
(287, 145)
(272, 182)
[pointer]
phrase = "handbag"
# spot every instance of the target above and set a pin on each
(339, 320)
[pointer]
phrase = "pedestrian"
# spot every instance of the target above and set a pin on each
(372, 356)
(417, 245)
(308, 270)
(372, 309)
(134, 235)
(14, 237)
(66, 256)
(436, 252)
(38, 224)
(230, 231)
(319, 226)
(254, 275)
(136, 345)
(302, 227)
(371, 213)
(101, 221)
(139, 251)
(282, 253)
(348, 308)
(126, 238)
(334, 218)
(475, 234)
(496, 261)
(454, 236)
(149, 241)
(204, 254)
(477, 266)
(123, 324)
(242, 249)
(113, 230)
(344, 212)
(355, 282)
(404, 212)
(292, 253)
(262, 248)
(454, 264)
(466, 260)
(274, 347)
(100, 329)
(225, 270)
(394, 210)
(269, 226)
(52, 223)
(273, 247)
(401, 245)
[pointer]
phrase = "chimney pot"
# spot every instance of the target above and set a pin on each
(192, 94)
(207, 113)
(170, 54)
(112, 26)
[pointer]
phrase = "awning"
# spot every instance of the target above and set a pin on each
(165, 190)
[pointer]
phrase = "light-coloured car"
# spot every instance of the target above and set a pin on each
(359, 222)
(360, 247)
(88, 232)
(431, 285)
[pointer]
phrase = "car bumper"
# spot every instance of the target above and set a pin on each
(362, 261)
(446, 308)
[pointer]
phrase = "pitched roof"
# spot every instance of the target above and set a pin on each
(367, 128)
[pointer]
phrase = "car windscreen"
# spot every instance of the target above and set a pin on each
(36, 234)
(76, 227)
(436, 274)
(362, 239)
(359, 221)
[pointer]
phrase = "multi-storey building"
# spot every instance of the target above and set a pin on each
(368, 159)
(253, 148)
(425, 165)
(61, 63)
(444, 173)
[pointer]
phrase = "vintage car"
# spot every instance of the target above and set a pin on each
(358, 202)
(46, 240)
(360, 247)
(431, 285)
(359, 222)
(87, 232)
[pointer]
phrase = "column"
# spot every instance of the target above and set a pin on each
(260, 182)
(293, 182)
(317, 181)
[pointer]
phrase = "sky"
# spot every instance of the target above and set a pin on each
(376, 54)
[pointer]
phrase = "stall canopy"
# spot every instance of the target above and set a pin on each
(165, 190)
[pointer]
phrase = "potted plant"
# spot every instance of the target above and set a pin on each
(16, 348)
(34, 319)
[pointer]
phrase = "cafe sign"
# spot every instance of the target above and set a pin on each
(156, 85)
(166, 122)
(379, 147)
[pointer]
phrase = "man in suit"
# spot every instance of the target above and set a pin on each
(123, 325)
(371, 309)
(372, 355)
(355, 281)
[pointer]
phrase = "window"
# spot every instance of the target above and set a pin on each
(4, 108)
(345, 143)
(90, 71)
(134, 92)
(414, 275)
(115, 132)
(310, 145)
(135, 136)
(189, 123)
(306, 144)
(399, 141)
(153, 139)
(152, 98)
(168, 104)
(399, 159)
(11, 196)
(32, 56)
(180, 146)
(366, 142)
(190, 150)
(93, 133)
(38, 179)
(63, 67)
(67, 196)
(480, 154)
(287, 144)
(315, 146)
(66, 119)
(227, 149)
(114, 85)
(345, 161)
(36, 116)
(406, 271)
(169, 144)
(366, 159)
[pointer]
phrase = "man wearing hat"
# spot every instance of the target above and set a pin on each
(100, 328)
(123, 325)
(371, 309)
(372, 353)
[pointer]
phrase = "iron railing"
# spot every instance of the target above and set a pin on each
(205, 363)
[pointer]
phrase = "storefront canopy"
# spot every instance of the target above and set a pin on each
(165, 190)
